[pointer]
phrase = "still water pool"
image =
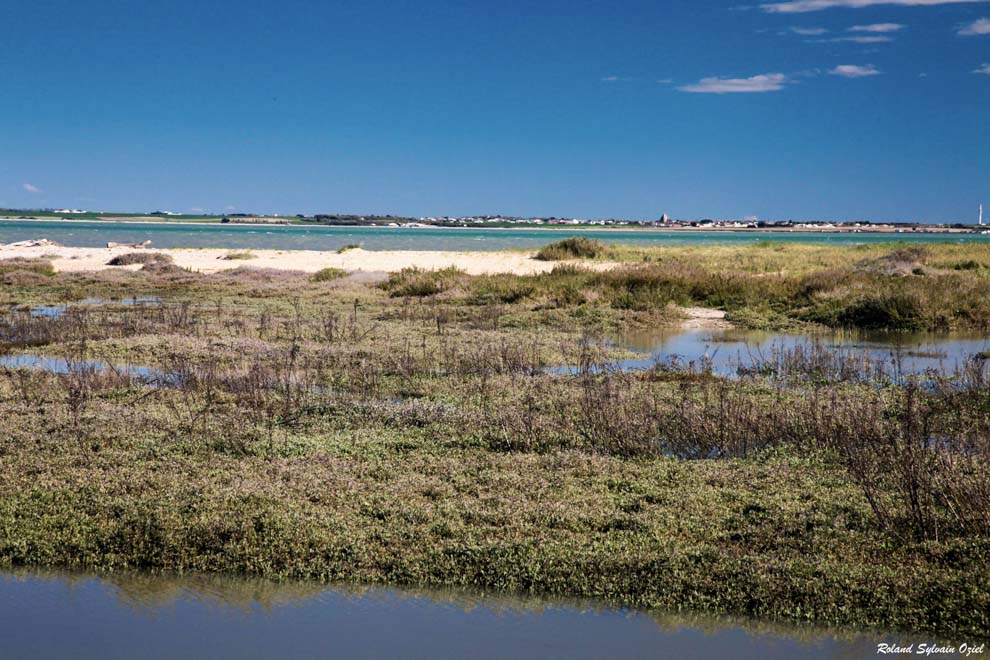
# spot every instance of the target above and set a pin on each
(63, 615)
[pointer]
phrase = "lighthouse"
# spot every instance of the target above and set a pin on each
(981, 215)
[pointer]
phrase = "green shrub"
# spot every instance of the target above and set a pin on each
(239, 256)
(885, 311)
(349, 246)
(572, 248)
(132, 258)
(419, 283)
(507, 289)
(328, 275)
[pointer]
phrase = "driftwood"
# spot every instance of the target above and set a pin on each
(143, 244)
(36, 242)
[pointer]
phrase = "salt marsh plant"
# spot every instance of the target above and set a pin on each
(145, 258)
(572, 248)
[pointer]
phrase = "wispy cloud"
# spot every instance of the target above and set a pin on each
(665, 81)
(31, 188)
(610, 79)
(872, 39)
(878, 27)
(809, 32)
(801, 6)
(979, 26)
(767, 82)
(854, 71)
(983, 69)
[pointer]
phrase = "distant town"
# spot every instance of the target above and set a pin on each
(494, 221)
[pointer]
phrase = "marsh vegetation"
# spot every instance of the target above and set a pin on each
(410, 431)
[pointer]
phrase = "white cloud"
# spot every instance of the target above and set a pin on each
(665, 81)
(979, 26)
(230, 207)
(610, 78)
(801, 6)
(876, 39)
(983, 69)
(854, 71)
(197, 209)
(767, 82)
(31, 188)
(809, 32)
(878, 27)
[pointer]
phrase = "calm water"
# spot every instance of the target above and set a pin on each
(54, 311)
(52, 615)
(57, 365)
(96, 234)
(725, 352)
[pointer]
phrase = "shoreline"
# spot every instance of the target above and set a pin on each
(743, 230)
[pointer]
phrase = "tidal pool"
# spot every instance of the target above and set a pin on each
(139, 615)
(58, 365)
(54, 311)
(733, 352)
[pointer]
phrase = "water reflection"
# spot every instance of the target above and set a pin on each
(62, 366)
(728, 352)
(55, 311)
(146, 615)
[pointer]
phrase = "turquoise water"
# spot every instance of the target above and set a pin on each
(76, 233)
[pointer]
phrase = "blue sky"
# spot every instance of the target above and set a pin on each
(839, 109)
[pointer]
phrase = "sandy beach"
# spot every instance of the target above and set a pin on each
(211, 260)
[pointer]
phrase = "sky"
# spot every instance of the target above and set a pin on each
(792, 109)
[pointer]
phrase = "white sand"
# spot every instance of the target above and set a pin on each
(210, 260)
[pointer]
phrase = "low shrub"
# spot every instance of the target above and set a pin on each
(37, 266)
(132, 258)
(572, 248)
(885, 311)
(328, 275)
(503, 288)
(415, 282)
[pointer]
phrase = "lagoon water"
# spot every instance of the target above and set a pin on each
(139, 615)
(78, 233)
